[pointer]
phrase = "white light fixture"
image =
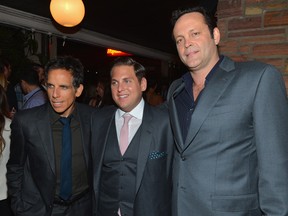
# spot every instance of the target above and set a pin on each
(67, 13)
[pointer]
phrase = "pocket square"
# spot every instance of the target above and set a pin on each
(156, 154)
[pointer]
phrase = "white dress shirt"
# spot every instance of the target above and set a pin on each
(134, 122)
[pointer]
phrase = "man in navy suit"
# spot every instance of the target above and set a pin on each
(135, 182)
(230, 122)
(34, 169)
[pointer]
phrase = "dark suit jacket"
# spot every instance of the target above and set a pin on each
(31, 167)
(234, 159)
(153, 178)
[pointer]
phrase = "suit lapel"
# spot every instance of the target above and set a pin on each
(145, 143)
(211, 94)
(174, 118)
(99, 147)
(45, 132)
(84, 118)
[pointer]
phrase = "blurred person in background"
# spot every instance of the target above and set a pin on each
(97, 94)
(5, 131)
(41, 75)
(41, 83)
(5, 69)
(152, 95)
(34, 95)
(3, 81)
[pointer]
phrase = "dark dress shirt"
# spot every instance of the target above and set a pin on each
(79, 169)
(185, 102)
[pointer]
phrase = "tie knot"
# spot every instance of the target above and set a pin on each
(65, 121)
(127, 117)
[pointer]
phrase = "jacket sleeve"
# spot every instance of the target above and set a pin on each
(15, 165)
(270, 116)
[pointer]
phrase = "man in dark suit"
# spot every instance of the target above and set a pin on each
(35, 171)
(230, 122)
(135, 182)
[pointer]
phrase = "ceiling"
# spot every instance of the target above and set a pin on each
(143, 22)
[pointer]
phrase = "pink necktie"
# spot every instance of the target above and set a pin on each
(124, 142)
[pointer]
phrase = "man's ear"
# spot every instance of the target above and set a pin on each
(143, 84)
(216, 35)
(79, 90)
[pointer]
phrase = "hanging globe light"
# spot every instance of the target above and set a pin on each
(67, 13)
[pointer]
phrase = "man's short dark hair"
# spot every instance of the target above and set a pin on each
(29, 75)
(139, 69)
(68, 63)
(209, 16)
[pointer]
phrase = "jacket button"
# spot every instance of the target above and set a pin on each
(183, 158)
(183, 188)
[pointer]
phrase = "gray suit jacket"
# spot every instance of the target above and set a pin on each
(31, 168)
(234, 159)
(153, 177)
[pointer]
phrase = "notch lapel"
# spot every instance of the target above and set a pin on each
(145, 143)
(211, 94)
(174, 118)
(84, 118)
(45, 132)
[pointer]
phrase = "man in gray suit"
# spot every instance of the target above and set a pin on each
(135, 181)
(230, 122)
(35, 170)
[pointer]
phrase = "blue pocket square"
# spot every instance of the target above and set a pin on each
(156, 154)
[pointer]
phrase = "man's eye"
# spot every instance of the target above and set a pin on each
(49, 86)
(179, 41)
(195, 34)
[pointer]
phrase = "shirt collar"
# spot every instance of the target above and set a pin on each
(187, 78)
(55, 116)
(27, 96)
(137, 112)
